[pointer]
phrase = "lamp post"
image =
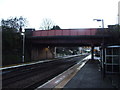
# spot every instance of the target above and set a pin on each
(23, 57)
(98, 20)
(23, 34)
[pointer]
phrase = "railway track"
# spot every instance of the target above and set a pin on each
(35, 75)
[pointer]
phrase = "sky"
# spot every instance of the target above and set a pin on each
(67, 14)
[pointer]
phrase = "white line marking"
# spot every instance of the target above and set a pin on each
(56, 82)
(81, 66)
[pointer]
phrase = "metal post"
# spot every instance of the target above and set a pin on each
(92, 52)
(103, 61)
(23, 56)
(102, 23)
(23, 39)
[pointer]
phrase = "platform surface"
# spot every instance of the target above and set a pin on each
(89, 77)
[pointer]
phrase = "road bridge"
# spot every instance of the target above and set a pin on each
(69, 37)
(73, 37)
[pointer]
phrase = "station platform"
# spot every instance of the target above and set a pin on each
(86, 74)
(89, 77)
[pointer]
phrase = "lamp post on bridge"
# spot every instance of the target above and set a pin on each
(92, 50)
(98, 20)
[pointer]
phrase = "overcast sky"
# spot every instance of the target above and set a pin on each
(65, 13)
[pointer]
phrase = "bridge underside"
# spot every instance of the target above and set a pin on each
(70, 41)
(36, 44)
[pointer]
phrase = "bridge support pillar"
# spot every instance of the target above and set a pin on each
(55, 52)
(92, 52)
(39, 53)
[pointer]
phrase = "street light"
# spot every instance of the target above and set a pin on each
(98, 20)
(23, 34)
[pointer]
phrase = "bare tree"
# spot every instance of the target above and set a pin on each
(47, 24)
